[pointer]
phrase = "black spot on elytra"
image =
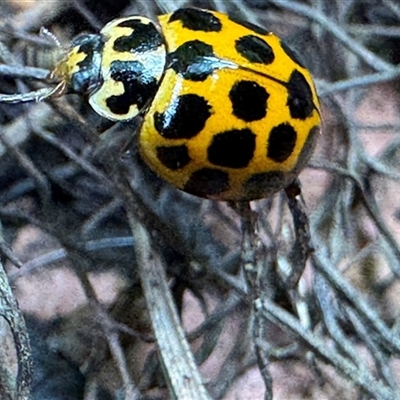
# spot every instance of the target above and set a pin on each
(144, 37)
(263, 184)
(139, 87)
(249, 100)
(173, 157)
(87, 78)
(281, 142)
(232, 149)
(197, 20)
(292, 54)
(255, 49)
(300, 97)
(255, 28)
(207, 182)
(184, 118)
(194, 60)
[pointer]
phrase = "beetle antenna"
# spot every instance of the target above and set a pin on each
(50, 36)
(35, 95)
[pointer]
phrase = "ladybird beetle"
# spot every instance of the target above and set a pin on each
(229, 111)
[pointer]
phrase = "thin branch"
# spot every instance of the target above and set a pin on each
(10, 311)
(361, 376)
(18, 71)
(325, 89)
(182, 375)
(340, 34)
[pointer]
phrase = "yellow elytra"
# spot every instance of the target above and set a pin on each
(229, 112)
